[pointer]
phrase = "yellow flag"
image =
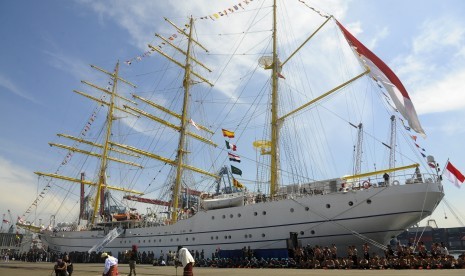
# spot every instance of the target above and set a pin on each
(237, 184)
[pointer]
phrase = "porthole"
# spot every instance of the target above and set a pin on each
(225, 237)
(216, 237)
(124, 241)
(159, 240)
(369, 201)
(328, 206)
(312, 232)
(231, 215)
(212, 237)
(246, 236)
(120, 241)
(193, 238)
(239, 215)
(351, 203)
(187, 239)
(224, 216)
(229, 237)
(263, 235)
(177, 239)
(250, 235)
(255, 213)
(144, 241)
(292, 210)
(213, 217)
(301, 233)
(264, 212)
(306, 208)
(190, 230)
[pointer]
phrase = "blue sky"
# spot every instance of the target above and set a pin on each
(47, 46)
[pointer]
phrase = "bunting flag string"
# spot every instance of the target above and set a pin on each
(433, 164)
(315, 10)
(68, 156)
(149, 52)
(227, 11)
(403, 123)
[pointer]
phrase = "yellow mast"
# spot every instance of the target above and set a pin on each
(178, 162)
(103, 163)
(276, 121)
(274, 113)
(182, 132)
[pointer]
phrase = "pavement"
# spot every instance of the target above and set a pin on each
(46, 269)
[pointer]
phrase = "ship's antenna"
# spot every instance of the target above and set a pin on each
(359, 151)
(392, 151)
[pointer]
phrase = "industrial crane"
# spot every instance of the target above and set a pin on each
(12, 226)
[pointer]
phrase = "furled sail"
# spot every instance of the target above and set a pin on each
(381, 72)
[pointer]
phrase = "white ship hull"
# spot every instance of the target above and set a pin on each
(318, 220)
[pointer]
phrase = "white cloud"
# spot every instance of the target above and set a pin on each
(383, 33)
(443, 94)
(69, 64)
(9, 85)
(17, 187)
(434, 67)
(355, 28)
(439, 33)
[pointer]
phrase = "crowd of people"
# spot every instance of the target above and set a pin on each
(317, 257)
(306, 257)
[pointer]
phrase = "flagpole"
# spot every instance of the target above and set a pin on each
(447, 162)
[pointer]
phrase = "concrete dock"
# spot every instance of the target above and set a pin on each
(46, 269)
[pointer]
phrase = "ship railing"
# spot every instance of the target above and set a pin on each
(398, 179)
(316, 189)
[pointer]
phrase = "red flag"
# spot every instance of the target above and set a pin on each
(381, 72)
(454, 175)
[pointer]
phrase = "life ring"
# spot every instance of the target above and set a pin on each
(366, 184)
(395, 182)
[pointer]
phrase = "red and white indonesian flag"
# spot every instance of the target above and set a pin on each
(382, 73)
(454, 175)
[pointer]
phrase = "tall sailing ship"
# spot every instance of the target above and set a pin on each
(162, 144)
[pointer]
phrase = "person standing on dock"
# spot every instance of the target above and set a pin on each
(187, 261)
(132, 257)
(69, 265)
(111, 265)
